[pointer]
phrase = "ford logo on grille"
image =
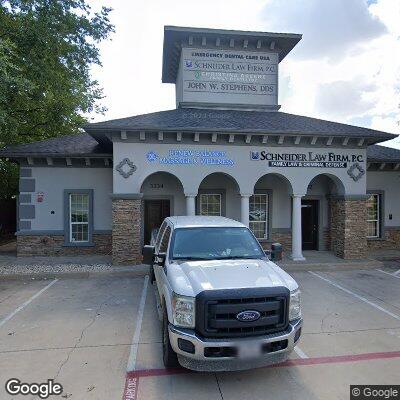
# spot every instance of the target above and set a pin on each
(248, 316)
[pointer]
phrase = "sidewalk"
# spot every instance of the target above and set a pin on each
(327, 261)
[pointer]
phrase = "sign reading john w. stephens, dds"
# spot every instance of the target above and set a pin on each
(309, 159)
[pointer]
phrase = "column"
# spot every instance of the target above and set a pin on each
(190, 204)
(244, 209)
(297, 254)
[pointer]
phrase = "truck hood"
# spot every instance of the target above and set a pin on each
(192, 277)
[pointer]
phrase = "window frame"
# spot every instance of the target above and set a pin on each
(67, 218)
(266, 221)
(269, 193)
(219, 192)
(379, 220)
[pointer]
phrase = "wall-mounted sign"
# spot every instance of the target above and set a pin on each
(190, 157)
(228, 77)
(310, 159)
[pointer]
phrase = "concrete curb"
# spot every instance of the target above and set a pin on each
(136, 271)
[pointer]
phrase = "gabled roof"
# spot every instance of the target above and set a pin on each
(72, 145)
(379, 153)
(176, 36)
(214, 120)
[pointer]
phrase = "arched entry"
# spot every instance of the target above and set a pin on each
(162, 197)
(219, 194)
(316, 211)
(269, 210)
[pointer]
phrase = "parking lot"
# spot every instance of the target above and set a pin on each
(100, 339)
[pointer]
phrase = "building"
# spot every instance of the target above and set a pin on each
(225, 150)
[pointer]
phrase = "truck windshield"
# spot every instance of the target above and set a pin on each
(214, 244)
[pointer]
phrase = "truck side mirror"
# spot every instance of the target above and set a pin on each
(148, 254)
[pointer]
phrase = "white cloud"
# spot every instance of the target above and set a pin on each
(330, 28)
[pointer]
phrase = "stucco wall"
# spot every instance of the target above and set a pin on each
(49, 214)
(245, 171)
(389, 183)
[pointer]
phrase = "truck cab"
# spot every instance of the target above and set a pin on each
(223, 304)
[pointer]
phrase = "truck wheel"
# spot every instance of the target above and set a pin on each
(169, 356)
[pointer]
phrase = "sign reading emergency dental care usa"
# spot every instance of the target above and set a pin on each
(228, 77)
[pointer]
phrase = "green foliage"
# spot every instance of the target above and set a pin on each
(46, 50)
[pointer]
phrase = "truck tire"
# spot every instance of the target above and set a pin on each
(169, 356)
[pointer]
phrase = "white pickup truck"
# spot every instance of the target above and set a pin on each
(224, 305)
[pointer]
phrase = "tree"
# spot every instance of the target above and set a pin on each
(46, 50)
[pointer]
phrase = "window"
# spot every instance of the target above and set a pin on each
(373, 216)
(165, 240)
(78, 217)
(210, 204)
(258, 215)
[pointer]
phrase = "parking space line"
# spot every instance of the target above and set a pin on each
(132, 382)
(397, 272)
(22, 306)
(356, 295)
(388, 273)
(300, 352)
(136, 336)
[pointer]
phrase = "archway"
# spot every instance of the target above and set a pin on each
(163, 196)
(316, 208)
(219, 194)
(270, 210)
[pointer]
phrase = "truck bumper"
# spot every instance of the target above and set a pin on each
(201, 354)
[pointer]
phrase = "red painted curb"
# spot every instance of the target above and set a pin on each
(290, 363)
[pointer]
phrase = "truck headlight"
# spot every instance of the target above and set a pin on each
(294, 305)
(183, 311)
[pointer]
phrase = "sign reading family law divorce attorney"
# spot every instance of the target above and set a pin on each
(190, 157)
(229, 77)
(307, 159)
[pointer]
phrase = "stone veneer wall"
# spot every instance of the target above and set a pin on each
(126, 231)
(53, 245)
(389, 241)
(349, 228)
(285, 239)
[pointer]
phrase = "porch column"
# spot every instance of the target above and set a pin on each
(297, 254)
(190, 204)
(244, 209)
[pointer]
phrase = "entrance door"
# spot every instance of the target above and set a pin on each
(309, 224)
(155, 211)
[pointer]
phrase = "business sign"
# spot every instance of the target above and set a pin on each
(229, 77)
(189, 157)
(309, 159)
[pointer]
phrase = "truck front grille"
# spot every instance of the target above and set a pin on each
(217, 310)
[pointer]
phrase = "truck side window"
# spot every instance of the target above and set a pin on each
(165, 240)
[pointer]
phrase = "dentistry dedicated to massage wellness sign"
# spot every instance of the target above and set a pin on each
(230, 77)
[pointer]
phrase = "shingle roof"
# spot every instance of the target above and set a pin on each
(383, 154)
(71, 145)
(271, 122)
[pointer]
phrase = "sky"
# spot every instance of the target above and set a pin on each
(346, 68)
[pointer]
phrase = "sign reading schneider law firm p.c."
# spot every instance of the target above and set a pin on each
(230, 77)
(205, 157)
